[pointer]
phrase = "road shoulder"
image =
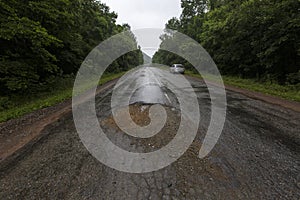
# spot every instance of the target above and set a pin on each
(292, 105)
(18, 135)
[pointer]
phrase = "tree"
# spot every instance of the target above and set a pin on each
(247, 38)
(42, 40)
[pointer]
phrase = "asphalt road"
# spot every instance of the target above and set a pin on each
(256, 157)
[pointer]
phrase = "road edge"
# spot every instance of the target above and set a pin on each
(37, 133)
(292, 105)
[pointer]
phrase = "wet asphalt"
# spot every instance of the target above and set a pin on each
(256, 157)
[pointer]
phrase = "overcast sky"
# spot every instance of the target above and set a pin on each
(145, 14)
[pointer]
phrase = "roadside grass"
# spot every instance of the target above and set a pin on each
(289, 92)
(18, 105)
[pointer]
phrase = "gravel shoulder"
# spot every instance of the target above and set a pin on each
(17, 135)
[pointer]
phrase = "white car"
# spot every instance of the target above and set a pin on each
(177, 68)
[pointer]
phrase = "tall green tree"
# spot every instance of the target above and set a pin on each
(42, 40)
(247, 38)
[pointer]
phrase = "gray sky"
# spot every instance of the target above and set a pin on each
(145, 14)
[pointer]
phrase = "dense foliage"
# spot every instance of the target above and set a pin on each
(246, 38)
(44, 40)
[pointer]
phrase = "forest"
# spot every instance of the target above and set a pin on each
(43, 42)
(256, 39)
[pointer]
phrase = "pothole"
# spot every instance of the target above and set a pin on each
(140, 115)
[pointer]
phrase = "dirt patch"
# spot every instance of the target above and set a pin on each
(15, 134)
(140, 115)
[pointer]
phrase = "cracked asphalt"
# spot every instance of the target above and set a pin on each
(256, 157)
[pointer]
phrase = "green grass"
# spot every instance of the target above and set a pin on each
(289, 92)
(21, 105)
